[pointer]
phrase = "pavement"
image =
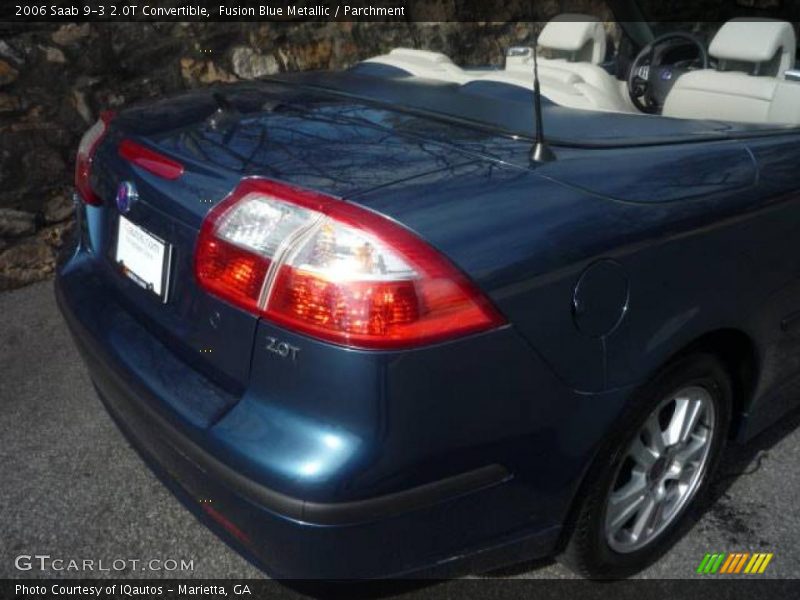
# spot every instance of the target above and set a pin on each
(71, 486)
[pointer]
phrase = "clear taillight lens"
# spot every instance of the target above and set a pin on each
(240, 238)
(83, 161)
(334, 271)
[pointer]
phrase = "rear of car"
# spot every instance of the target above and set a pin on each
(321, 385)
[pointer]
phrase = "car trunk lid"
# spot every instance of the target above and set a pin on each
(334, 145)
(310, 142)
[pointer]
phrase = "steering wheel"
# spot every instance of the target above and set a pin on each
(649, 84)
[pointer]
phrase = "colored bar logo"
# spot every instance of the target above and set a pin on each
(735, 563)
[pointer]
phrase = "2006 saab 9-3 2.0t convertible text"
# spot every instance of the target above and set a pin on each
(383, 337)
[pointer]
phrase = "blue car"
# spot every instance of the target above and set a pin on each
(378, 323)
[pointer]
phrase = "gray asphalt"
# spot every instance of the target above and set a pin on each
(71, 487)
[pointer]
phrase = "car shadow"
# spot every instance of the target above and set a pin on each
(740, 461)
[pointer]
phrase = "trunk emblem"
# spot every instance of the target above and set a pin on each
(126, 196)
(282, 349)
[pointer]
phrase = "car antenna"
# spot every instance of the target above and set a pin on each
(540, 151)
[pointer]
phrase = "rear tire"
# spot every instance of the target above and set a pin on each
(639, 494)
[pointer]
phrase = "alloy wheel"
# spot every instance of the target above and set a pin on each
(661, 470)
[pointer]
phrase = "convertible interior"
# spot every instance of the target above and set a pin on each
(746, 74)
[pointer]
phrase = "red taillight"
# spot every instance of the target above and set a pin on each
(231, 273)
(83, 161)
(334, 271)
(148, 159)
(366, 313)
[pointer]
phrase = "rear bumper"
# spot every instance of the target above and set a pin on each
(471, 521)
(153, 434)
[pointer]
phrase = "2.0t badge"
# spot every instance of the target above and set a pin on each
(282, 349)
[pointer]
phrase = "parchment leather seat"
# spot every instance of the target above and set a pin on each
(748, 84)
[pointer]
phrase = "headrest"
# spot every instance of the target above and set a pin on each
(756, 41)
(578, 37)
(421, 55)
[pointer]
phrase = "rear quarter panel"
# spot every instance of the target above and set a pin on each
(706, 234)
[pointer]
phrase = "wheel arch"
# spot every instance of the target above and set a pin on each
(739, 354)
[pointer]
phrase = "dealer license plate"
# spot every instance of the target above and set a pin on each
(143, 257)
